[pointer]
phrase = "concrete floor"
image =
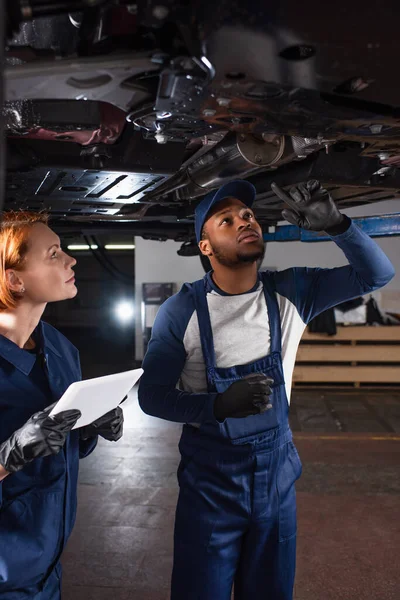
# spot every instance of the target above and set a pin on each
(348, 503)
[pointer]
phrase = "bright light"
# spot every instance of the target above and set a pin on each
(107, 247)
(82, 247)
(119, 246)
(124, 311)
(206, 62)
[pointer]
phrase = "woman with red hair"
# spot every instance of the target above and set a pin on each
(39, 453)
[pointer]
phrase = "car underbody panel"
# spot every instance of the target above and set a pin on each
(122, 115)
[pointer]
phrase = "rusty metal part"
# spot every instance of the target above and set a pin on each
(354, 85)
(393, 161)
(85, 123)
(257, 107)
(302, 147)
(261, 152)
(236, 156)
(389, 146)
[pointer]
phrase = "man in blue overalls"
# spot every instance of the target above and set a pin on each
(220, 360)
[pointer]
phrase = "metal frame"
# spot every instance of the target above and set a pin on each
(378, 226)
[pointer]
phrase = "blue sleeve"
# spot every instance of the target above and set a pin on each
(163, 364)
(313, 291)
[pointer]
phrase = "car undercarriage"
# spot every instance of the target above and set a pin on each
(122, 116)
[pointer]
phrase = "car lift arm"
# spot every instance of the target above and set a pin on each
(378, 226)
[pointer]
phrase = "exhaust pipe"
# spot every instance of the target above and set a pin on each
(237, 155)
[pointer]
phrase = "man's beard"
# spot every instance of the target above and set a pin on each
(241, 259)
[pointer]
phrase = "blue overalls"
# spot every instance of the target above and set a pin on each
(236, 513)
(38, 503)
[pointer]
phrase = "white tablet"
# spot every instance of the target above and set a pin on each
(95, 397)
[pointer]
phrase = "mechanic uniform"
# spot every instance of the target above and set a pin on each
(236, 513)
(38, 503)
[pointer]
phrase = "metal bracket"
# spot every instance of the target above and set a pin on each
(377, 226)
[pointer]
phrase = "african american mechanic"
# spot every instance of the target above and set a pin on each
(220, 360)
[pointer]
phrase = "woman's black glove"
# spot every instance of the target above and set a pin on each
(110, 426)
(311, 207)
(248, 396)
(42, 435)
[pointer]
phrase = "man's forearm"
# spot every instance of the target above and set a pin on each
(366, 257)
(3, 473)
(172, 404)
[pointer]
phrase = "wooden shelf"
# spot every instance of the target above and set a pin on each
(368, 355)
(361, 333)
(341, 353)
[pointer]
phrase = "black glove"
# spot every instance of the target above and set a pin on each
(311, 208)
(248, 396)
(42, 435)
(110, 426)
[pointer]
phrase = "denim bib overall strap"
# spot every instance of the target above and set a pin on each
(244, 430)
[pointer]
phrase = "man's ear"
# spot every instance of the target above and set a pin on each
(14, 281)
(205, 247)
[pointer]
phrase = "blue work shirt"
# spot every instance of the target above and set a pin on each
(174, 384)
(37, 504)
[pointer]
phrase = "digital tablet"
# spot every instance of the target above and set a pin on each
(95, 397)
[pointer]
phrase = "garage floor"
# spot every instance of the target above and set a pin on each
(348, 503)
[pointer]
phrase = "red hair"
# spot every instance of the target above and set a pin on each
(14, 232)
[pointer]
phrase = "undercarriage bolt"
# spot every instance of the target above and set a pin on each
(376, 128)
(161, 138)
(209, 112)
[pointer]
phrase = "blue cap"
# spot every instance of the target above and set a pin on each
(240, 189)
